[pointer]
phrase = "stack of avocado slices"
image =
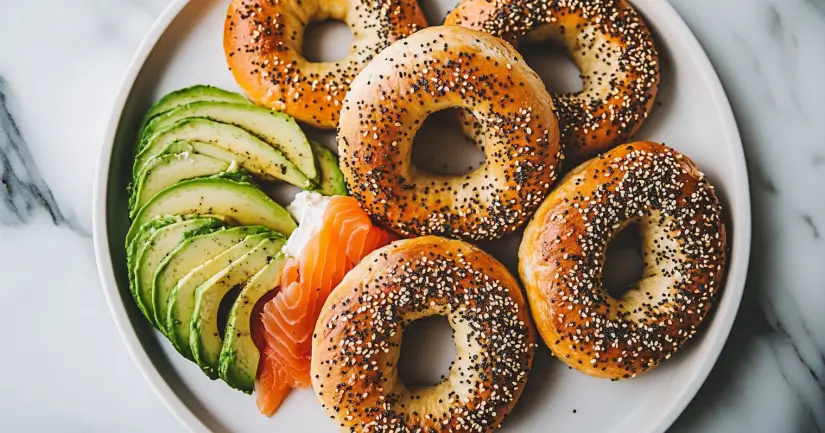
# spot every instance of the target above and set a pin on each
(205, 242)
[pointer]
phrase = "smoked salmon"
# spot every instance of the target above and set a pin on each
(329, 249)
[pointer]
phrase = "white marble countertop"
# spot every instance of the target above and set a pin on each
(64, 367)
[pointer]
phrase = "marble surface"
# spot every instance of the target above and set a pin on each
(64, 367)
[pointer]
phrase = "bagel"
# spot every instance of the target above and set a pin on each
(610, 44)
(263, 43)
(432, 70)
(357, 340)
(562, 255)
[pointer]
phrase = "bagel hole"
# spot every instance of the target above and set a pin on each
(624, 264)
(327, 41)
(441, 145)
(427, 352)
(436, 11)
(553, 64)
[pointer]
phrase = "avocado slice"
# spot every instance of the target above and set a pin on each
(188, 95)
(142, 234)
(155, 249)
(331, 180)
(184, 148)
(276, 129)
(205, 337)
(239, 356)
(201, 148)
(147, 229)
(144, 231)
(191, 253)
(167, 170)
(181, 304)
(251, 153)
(241, 201)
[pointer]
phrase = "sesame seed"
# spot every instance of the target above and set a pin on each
(683, 247)
(382, 115)
(620, 73)
(405, 281)
(263, 38)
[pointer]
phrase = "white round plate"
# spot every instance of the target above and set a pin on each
(692, 115)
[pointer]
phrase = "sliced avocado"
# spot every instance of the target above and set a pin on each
(205, 337)
(147, 229)
(331, 179)
(169, 178)
(275, 128)
(155, 249)
(143, 232)
(239, 355)
(242, 202)
(200, 148)
(191, 253)
(251, 153)
(182, 297)
(167, 170)
(189, 95)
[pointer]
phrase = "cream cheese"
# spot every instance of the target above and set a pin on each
(308, 210)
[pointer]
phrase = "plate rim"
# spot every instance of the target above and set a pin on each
(737, 270)
(100, 228)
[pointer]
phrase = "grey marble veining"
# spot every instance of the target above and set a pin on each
(56, 93)
(23, 190)
(770, 55)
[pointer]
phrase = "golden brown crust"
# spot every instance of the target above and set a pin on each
(357, 339)
(263, 42)
(612, 47)
(435, 69)
(683, 244)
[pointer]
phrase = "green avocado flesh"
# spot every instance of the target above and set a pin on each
(191, 253)
(181, 303)
(167, 170)
(188, 95)
(248, 151)
(239, 355)
(331, 179)
(154, 250)
(206, 242)
(205, 337)
(276, 129)
(242, 202)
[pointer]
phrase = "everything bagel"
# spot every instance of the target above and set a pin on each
(683, 245)
(610, 44)
(263, 42)
(357, 341)
(432, 70)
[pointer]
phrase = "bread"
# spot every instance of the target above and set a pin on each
(432, 70)
(263, 43)
(612, 47)
(357, 341)
(562, 256)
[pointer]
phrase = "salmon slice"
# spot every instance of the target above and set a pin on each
(287, 321)
(314, 270)
(277, 326)
(272, 386)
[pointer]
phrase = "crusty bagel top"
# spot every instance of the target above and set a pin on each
(435, 69)
(263, 40)
(609, 42)
(563, 253)
(358, 337)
